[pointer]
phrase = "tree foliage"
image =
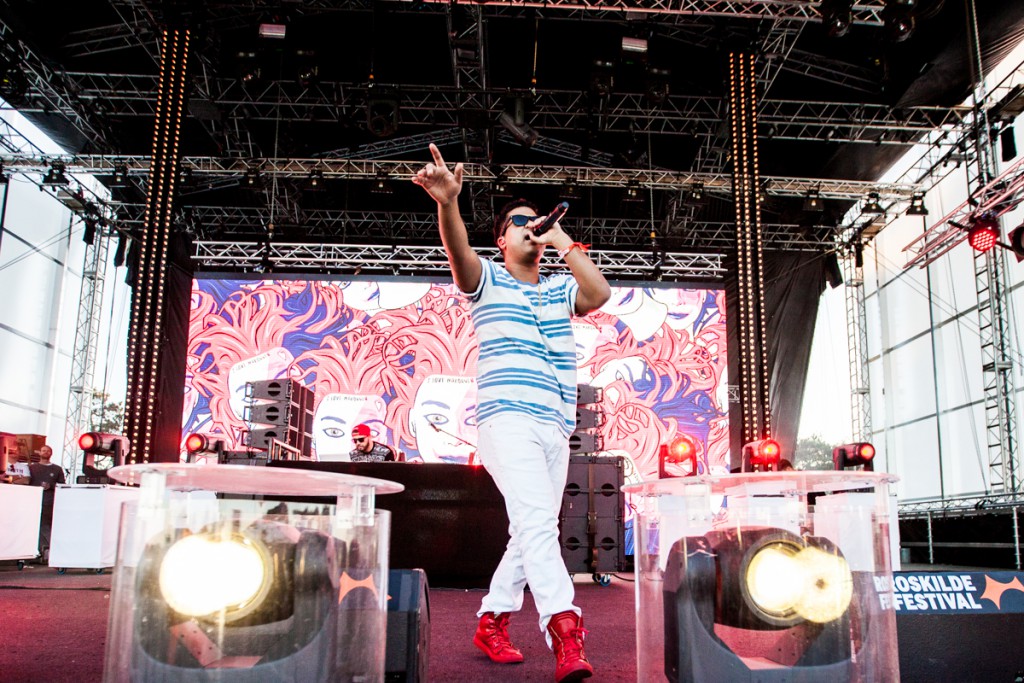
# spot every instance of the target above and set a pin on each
(106, 415)
(813, 453)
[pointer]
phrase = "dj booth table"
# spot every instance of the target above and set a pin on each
(449, 521)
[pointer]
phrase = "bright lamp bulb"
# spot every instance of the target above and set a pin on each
(773, 581)
(828, 585)
(240, 580)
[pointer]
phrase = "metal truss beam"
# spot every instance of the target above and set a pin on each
(432, 260)
(341, 226)
(440, 106)
(53, 92)
(962, 505)
(531, 174)
(867, 12)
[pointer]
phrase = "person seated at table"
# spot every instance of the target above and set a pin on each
(47, 475)
(368, 450)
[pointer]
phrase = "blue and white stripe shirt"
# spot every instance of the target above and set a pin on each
(527, 361)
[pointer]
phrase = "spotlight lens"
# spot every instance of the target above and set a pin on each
(867, 451)
(682, 448)
(240, 577)
(195, 442)
(771, 449)
(86, 441)
(827, 585)
(773, 580)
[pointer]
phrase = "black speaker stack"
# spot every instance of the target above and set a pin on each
(591, 532)
(279, 409)
(589, 418)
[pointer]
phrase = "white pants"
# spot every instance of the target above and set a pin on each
(529, 462)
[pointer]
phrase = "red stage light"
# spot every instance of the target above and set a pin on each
(983, 233)
(195, 443)
(88, 441)
(761, 456)
(860, 454)
(682, 448)
(683, 452)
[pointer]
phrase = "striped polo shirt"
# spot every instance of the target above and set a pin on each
(527, 361)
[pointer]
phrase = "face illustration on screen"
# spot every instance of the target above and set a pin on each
(684, 305)
(639, 312)
(272, 364)
(370, 297)
(335, 417)
(448, 403)
(588, 339)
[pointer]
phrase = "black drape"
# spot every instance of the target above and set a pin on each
(793, 285)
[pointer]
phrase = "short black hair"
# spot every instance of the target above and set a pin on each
(499, 220)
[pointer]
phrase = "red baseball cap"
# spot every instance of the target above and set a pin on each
(361, 430)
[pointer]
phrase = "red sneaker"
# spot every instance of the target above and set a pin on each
(492, 637)
(567, 633)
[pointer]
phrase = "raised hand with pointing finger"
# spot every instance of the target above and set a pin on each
(439, 182)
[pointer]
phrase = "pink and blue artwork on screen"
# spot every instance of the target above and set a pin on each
(400, 356)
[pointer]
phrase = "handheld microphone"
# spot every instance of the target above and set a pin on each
(552, 218)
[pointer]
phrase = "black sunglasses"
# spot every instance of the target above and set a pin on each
(358, 439)
(520, 220)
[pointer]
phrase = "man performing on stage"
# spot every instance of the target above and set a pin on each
(526, 405)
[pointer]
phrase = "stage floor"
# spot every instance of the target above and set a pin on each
(55, 628)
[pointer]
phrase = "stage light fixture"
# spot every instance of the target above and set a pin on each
(682, 452)
(1016, 242)
(382, 116)
(632, 192)
(239, 586)
(307, 71)
(898, 19)
(917, 207)
(520, 130)
(120, 176)
(657, 84)
(696, 192)
(602, 79)
(761, 456)
(249, 71)
(859, 454)
(873, 206)
(253, 179)
(570, 189)
(55, 176)
(837, 16)
(382, 183)
(316, 179)
(785, 582)
(983, 232)
(102, 451)
(813, 202)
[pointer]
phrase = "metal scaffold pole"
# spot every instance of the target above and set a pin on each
(83, 359)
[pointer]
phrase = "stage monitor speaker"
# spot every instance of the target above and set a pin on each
(271, 389)
(408, 636)
(281, 414)
(586, 394)
(588, 418)
(583, 442)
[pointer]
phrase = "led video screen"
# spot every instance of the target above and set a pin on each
(400, 356)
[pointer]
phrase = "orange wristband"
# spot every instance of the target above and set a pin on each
(562, 253)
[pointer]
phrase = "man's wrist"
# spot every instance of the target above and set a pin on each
(563, 242)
